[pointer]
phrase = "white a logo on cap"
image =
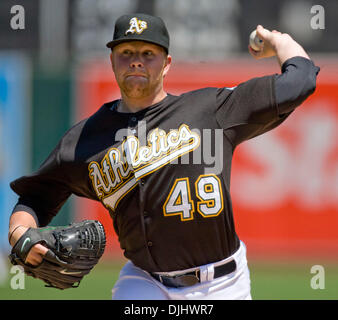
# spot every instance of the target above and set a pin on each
(137, 26)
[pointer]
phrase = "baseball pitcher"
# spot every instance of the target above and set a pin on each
(173, 218)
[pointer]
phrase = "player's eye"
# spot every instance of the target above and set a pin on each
(148, 53)
(126, 52)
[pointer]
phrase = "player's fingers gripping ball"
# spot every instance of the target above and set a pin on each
(262, 42)
(72, 252)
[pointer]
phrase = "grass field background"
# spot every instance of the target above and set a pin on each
(283, 280)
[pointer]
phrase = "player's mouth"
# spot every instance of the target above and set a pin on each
(136, 78)
(136, 74)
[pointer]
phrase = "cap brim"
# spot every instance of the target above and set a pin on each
(113, 43)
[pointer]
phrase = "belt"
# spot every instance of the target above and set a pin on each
(193, 277)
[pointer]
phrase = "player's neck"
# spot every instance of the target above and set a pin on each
(129, 104)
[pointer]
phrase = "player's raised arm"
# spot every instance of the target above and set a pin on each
(298, 75)
(244, 115)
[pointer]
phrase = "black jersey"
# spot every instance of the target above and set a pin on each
(163, 173)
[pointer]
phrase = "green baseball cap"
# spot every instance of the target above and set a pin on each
(142, 27)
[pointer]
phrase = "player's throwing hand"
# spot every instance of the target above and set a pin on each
(277, 44)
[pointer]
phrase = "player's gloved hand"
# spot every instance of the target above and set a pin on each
(71, 252)
(36, 252)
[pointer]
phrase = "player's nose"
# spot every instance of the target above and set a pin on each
(136, 65)
(136, 62)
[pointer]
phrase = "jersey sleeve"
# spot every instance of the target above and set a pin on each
(248, 110)
(43, 193)
(296, 82)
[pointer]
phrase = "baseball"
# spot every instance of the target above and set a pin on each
(255, 42)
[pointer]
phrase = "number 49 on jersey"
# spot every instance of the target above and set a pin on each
(207, 189)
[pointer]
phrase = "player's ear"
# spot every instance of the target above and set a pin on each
(167, 65)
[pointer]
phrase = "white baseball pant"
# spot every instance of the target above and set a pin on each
(137, 284)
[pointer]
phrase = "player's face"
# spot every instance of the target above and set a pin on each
(139, 68)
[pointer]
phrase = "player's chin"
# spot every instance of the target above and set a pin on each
(135, 91)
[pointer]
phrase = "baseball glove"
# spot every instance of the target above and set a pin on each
(73, 251)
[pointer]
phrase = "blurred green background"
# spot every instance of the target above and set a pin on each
(289, 280)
